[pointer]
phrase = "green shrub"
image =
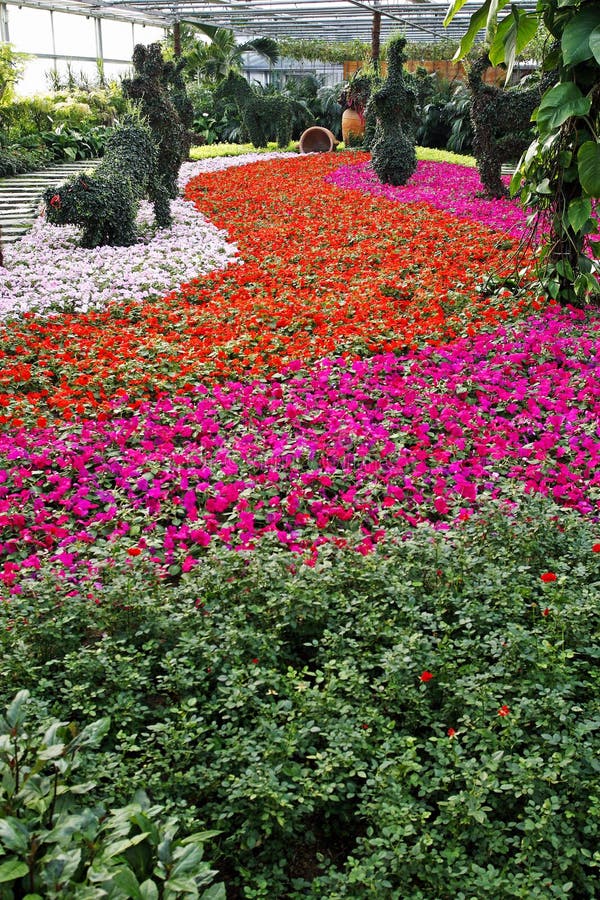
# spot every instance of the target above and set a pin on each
(393, 147)
(54, 844)
(105, 202)
(289, 705)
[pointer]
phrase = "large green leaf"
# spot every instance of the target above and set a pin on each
(588, 164)
(560, 103)
(513, 34)
(481, 18)
(126, 881)
(595, 43)
(13, 869)
(15, 712)
(13, 834)
(575, 40)
(579, 212)
(454, 7)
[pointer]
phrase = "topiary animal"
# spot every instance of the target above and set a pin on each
(259, 114)
(177, 91)
(393, 150)
(501, 120)
(147, 88)
(105, 202)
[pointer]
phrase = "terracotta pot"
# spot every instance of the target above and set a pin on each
(353, 126)
(317, 140)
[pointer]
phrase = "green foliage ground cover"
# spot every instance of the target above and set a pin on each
(419, 722)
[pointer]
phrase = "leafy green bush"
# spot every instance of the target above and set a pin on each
(419, 722)
(54, 845)
(16, 160)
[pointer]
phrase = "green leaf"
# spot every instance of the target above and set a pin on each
(575, 42)
(126, 881)
(13, 834)
(118, 847)
(187, 859)
(579, 212)
(478, 20)
(91, 734)
(13, 869)
(148, 890)
(454, 7)
(595, 43)
(15, 712)
(514, 32)
(214, 892)
(588, 164)
(559, 104)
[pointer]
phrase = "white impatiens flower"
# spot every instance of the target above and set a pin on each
(46, 271)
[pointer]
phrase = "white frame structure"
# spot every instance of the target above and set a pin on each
(330, 20)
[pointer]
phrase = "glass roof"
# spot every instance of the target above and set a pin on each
(331, 20)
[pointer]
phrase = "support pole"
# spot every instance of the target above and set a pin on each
(177, 39)
(4, 35)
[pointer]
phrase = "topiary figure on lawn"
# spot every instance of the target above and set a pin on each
(393, 151)
(147, 89)
(501, 120)
(177, 91)
(259, 114)
(105, 202)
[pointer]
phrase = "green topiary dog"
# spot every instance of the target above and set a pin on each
(258, 114)
(105, 202)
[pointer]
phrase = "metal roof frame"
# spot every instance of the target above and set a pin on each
(330, 20)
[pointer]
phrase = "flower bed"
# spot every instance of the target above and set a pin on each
(321, 272)
(320, 532)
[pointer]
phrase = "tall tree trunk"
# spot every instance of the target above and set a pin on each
(177, 39)
(376, 40)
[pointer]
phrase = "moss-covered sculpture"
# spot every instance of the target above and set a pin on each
(105, 202)
(501, 120)
(393, 150)
(175, 87)
(147, 89)
(260, 115)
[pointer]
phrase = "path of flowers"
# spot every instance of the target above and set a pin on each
(324, 271)
(341, 440)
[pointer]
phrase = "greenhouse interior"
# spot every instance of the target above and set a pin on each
(299, 449)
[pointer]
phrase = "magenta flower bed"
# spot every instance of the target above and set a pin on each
(444, 186)
(336, 452)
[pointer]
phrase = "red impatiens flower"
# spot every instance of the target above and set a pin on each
(503, 711)
(548, 577)
(425, 676)
(133, 551)
(596, 548)
(255, 660)
(546, 612)
(55, 201)
(451, 732)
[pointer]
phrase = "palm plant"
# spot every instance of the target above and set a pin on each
(215, 60)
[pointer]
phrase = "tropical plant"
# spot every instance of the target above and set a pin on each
(12, 65)
(216, 59)
(54, 844)
(559, 174)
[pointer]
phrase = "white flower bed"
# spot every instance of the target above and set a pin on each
(47, 272)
